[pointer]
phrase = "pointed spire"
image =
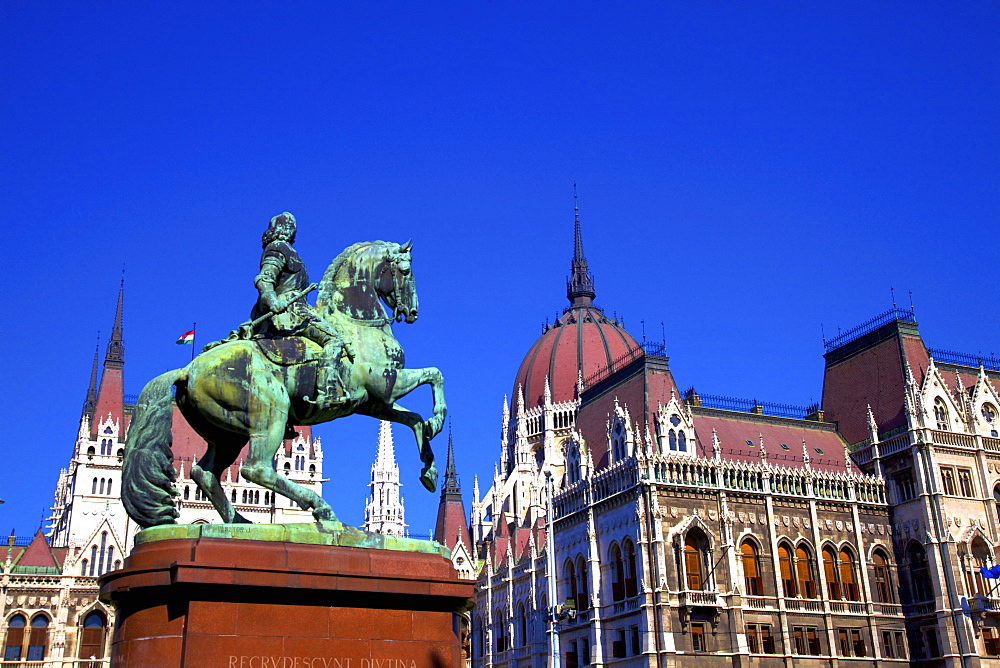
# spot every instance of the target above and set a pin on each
(114, 357)
(451, 485)
(580, 286)
(91, 401)
(385, 455)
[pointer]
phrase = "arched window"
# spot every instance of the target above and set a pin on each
(111, 555)
(93, 559)
(244, 496)
(582, 586)
(880, 575)
(788, 583)
(920, 585)
(93, 487)
(848, 582)
(101, 488)
(569, 572)
(695, 558)
(92, 636)
(618, 448)
(804, 573)
(751, 569)
(38, 640)
(978, 557)
(631, 578)
(109, 485)
(104, 545)
(617, 573)
(830, 570)
(522, 625)
(681, 442)
(941, 414)
(572, 463)
(288, 467)
(234, 496)
(187, 492)
(312, 468)
(14, 642)
(256, 497)
(83, 567)
(672, 439)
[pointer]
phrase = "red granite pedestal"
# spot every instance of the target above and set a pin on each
(258, 604)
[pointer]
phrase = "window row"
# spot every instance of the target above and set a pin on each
(101, 486)
(31, 641)
(620, 575)
(798, 574)
(102, 559)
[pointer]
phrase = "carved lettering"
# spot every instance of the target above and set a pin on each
(245, 661)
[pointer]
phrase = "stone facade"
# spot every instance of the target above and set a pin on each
(700, 530)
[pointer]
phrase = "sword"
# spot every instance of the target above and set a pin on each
(270, 314)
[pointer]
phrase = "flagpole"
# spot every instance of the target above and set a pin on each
(194, 328)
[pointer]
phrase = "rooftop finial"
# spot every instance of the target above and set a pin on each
(580, 286)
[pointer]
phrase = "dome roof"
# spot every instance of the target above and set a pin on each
(582, 341)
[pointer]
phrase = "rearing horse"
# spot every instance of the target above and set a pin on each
(233, 392)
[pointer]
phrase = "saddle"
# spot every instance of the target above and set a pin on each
(289, 350)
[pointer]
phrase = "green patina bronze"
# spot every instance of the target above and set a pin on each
(317, 533)
(291, 364)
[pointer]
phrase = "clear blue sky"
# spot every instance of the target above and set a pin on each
(747, 174)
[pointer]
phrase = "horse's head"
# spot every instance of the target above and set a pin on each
(394, 282)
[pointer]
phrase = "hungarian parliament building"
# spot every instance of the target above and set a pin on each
(630, 521)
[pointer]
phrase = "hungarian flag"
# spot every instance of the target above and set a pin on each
(186, 338)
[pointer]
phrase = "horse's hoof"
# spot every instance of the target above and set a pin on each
(429, 477)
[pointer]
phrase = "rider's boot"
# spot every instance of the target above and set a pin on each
(329, 384)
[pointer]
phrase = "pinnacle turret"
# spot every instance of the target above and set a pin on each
(90, 403)
(580, 285)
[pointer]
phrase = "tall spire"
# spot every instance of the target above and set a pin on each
(114, 357)
(580, 285)
(91, 401)
(450, 474)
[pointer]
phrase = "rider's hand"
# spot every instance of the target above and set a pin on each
(279, 304)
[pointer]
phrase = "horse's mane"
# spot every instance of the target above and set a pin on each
(324, 296)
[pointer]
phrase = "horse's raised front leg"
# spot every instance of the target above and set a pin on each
(268, 422)
(398, 414)
(408, 380)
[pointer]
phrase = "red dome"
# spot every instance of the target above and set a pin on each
(582, 340)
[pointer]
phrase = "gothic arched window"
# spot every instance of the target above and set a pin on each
(788, 582)
(920, 586)
(804, 573)
(696, 560)
(582, 586)
(38, 639)
(941, 414)
(880, 575)
(92, 636)
(14, 642)
(631, 579)
(617, 573)
(751, 569)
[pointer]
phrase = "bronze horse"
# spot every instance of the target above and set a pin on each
(233, 392)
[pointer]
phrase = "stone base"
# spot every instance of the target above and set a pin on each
(206, 601)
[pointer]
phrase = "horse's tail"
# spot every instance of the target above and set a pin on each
(148, 472)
